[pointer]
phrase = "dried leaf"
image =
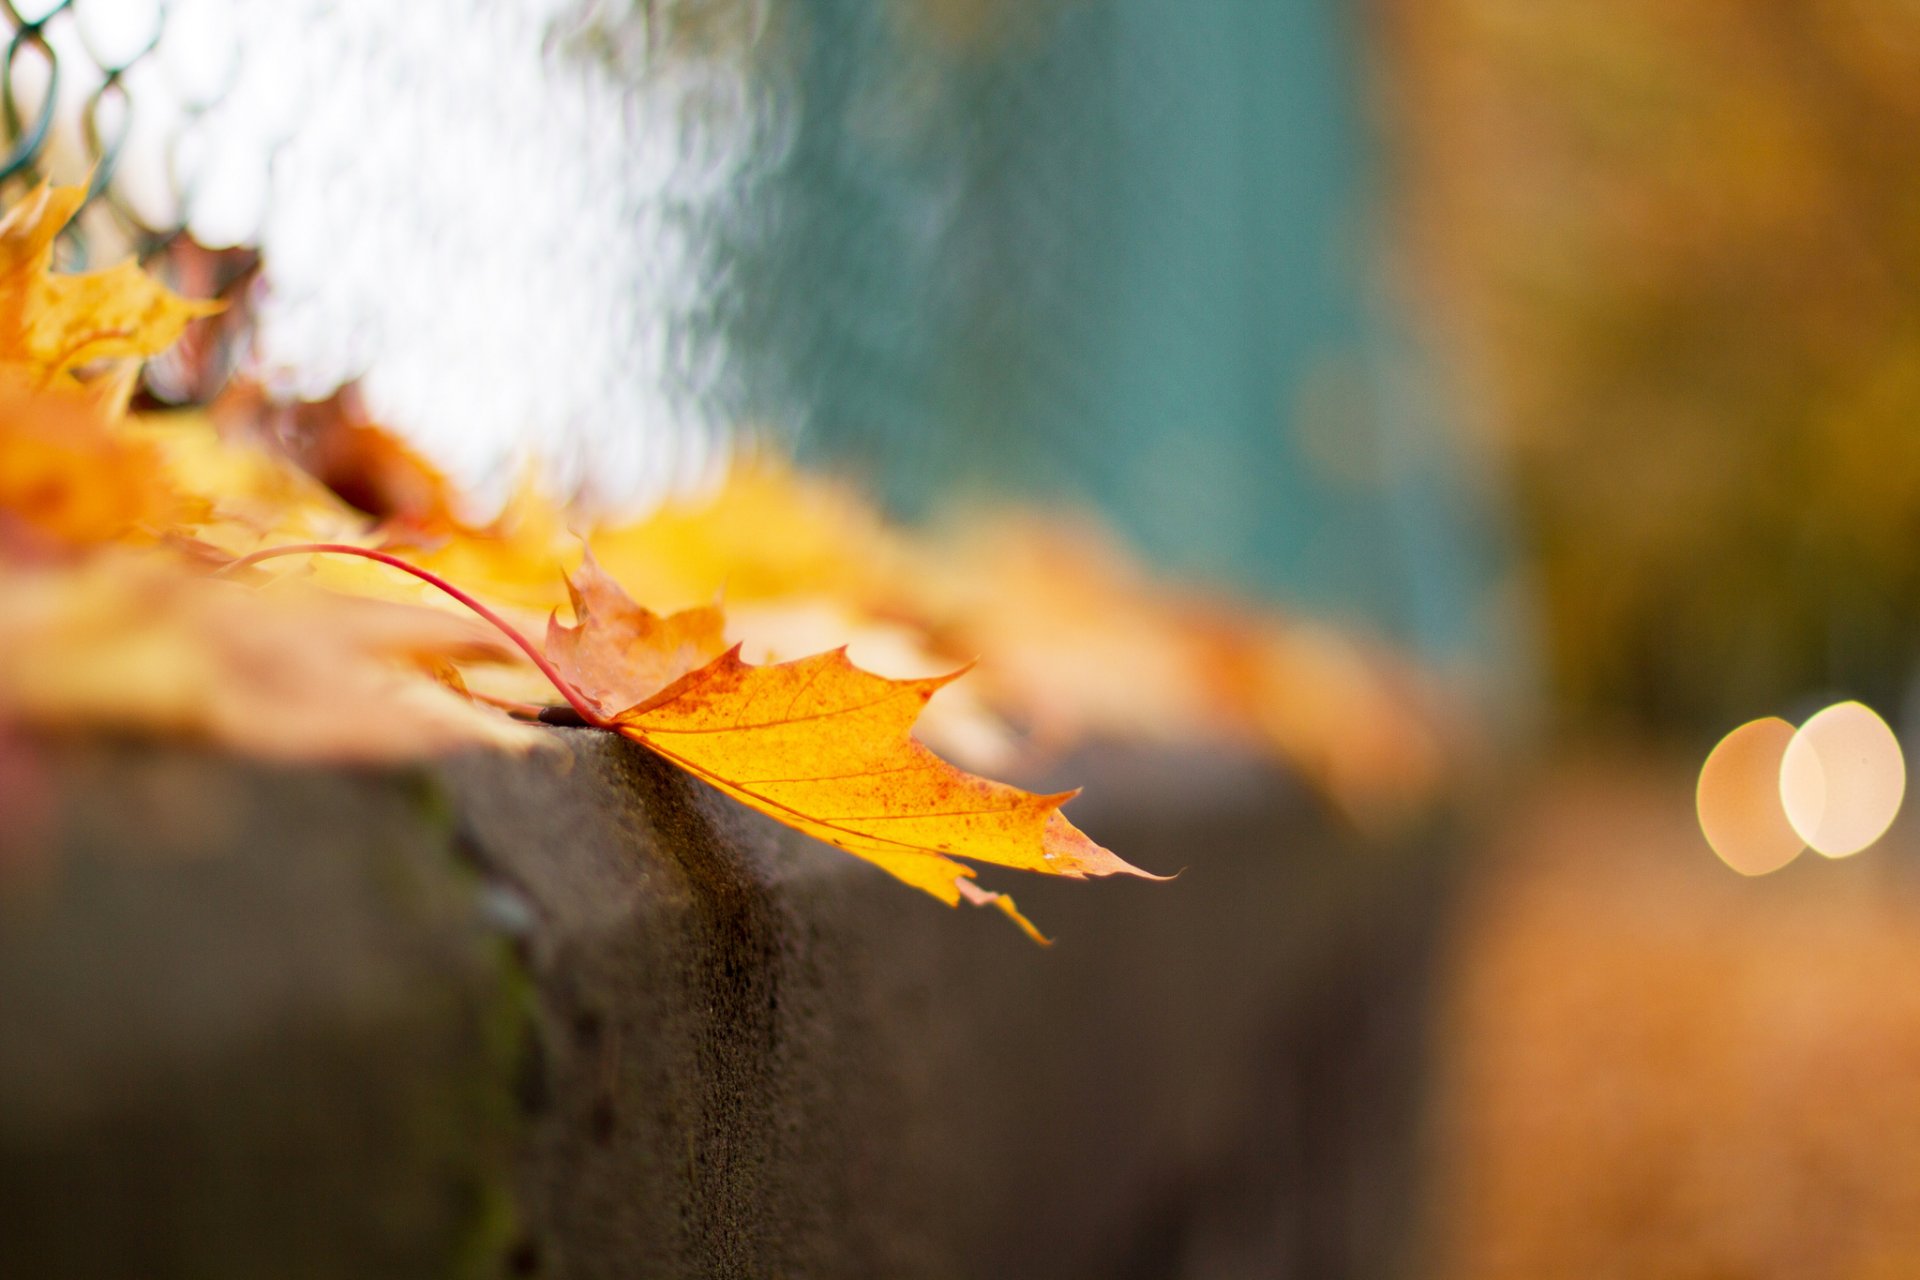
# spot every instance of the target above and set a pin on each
(244, 494)
(53, 323)
(960, 725)
(620, 647)
(337, 442)
(824, 747)
(66, 479)
(127, 642)
(1075, 639)
(765, 533)
(103, 626)
(1078, 640)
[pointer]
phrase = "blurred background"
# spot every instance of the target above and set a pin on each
(1573, 348)
(1100, 253)
(1665, 253)
(1669, 248)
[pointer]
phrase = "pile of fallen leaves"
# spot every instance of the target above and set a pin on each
(294, 582)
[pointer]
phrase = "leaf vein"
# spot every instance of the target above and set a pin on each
(802, 691)
(640, 724)
(901, 817)
(841, 777)
(740, 791)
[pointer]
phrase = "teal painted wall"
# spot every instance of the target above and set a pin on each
(1121, 256)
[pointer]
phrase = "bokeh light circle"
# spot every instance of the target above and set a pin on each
(1842, 779)
(1738, 799)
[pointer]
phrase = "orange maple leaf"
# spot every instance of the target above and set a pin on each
(817, 744)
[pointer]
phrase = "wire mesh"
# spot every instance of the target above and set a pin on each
(1104, 251)
(488, 212)
(86, 86)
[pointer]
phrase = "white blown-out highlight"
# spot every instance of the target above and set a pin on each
(495, 220)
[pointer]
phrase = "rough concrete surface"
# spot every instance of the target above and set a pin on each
(250, 1026)
(580, 1016)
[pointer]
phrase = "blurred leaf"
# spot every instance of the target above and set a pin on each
(123, 642)
(52, 324)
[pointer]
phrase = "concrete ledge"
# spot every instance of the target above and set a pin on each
(250, 1024)
(584, 1017)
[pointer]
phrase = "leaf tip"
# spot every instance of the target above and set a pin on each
(1003, 903)
(936, 683)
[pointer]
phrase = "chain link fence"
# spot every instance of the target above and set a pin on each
(489, 213)
(1111, 251)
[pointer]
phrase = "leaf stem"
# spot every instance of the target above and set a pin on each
(574, 697)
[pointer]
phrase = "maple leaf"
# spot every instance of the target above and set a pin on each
(53, 323)
(1170, 664)
(959, 724)
(619, 647)
(242, 493)
(66, 479)
(817, 744)
(1080, 642)
(766, 532)
(130, 641)
(337, 442)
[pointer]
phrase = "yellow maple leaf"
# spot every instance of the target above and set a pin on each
(67, 474)
(817, 744)
(53, 323)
